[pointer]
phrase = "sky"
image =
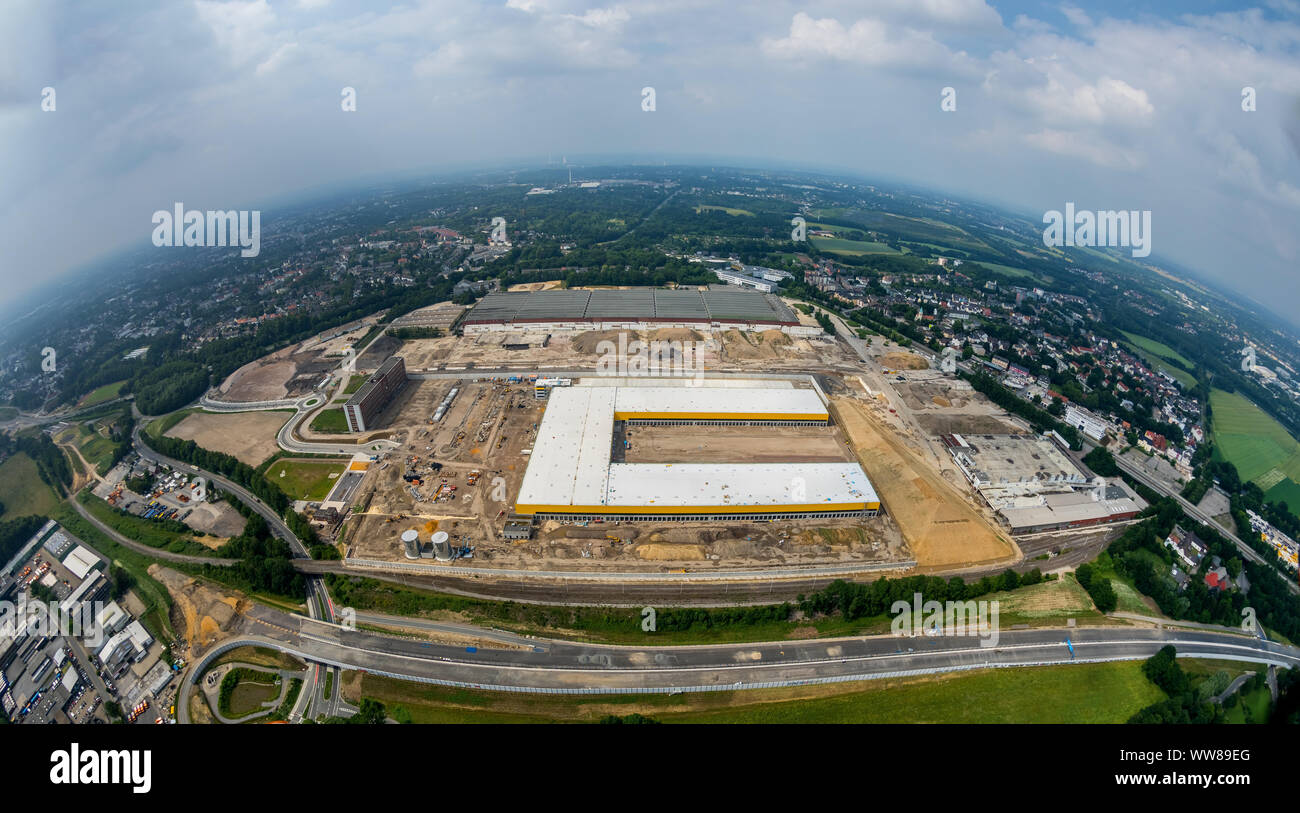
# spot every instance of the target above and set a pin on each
(238, 105)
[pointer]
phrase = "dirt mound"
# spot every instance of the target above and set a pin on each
(669, 552)
(775, 338)
(588, 342)
(208, 613)
(675, 334)
(904, 361)
(939, 400)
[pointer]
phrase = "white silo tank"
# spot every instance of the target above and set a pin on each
(411, 543)
(442, 546)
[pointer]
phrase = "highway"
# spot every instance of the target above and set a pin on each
(318, 600)
(563, 666)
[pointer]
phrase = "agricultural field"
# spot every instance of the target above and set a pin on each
(1078, 693)
(1156, 348)
(1006, 269)
(305, 479)
(22, 490)
(854, 248)
(729, 210)
(913, 229)
(1259, 446)
(105, 393)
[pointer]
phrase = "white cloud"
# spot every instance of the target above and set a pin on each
(868, 41)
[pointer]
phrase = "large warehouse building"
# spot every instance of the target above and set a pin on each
(1034, 487)
(375, 394)
(716, 308)
(570, 474)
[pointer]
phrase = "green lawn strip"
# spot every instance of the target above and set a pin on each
(1073, 693)
(105, 393)
(163, 425)
(619, 625)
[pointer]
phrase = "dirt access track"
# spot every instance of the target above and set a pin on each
(943, 530)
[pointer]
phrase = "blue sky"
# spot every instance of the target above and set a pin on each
(236, 105)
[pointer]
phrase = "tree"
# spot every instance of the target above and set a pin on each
(371, 712)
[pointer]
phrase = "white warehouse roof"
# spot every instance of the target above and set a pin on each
(80, 561)
(570, 465)
(791, 486)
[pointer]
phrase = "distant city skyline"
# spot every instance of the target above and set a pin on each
(231, 105)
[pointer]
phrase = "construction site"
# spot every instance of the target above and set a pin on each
(464, 475)
(728, 447)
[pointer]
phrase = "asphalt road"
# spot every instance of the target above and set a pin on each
(600, 669)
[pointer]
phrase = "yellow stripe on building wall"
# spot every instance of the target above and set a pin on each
(694, 509)
(721, 416)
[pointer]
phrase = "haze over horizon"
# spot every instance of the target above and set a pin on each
(225, 105)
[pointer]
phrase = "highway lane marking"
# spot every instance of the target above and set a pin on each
(777, 664)
(714, 686)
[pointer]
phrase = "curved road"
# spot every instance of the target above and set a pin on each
(580, 668)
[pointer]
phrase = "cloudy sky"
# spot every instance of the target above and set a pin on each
(1123, 105)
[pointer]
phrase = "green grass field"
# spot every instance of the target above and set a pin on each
(330, 421)
(729, 210)
(354, 384)
(853, 248)
(305, 479)
(22, 490)
(1157, 348)
(1006, 269)
(1077, 693)
(1259, 446)
(912, 229)
(105, 393)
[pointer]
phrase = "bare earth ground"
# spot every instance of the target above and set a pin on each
(733, 444)
(731, 350)
(248, 436)
(504, 417)
(203, 615)
(939, 524)
(899, 360)
(291, 371)
(261, 380)
(218, 519)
